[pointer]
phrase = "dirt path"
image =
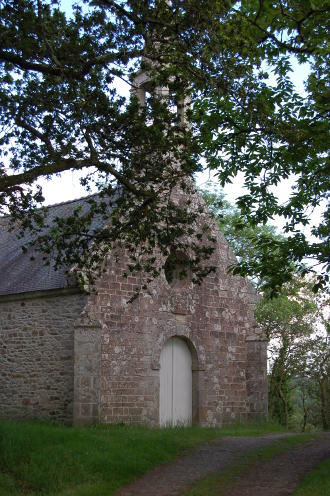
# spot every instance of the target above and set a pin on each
(281, 475)
(174, 478)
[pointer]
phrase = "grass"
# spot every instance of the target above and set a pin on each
(215, 484)
(316, 482)
(41, 459)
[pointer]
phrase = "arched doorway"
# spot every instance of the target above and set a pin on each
(175, 384)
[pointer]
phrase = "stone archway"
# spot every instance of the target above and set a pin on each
(176, 383)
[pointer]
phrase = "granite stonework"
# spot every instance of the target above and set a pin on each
(36, 355)
(87, 358)
(256, 377)
(214, 318)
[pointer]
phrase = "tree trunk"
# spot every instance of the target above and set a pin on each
(304, 407)
(285, 404)
(323, 404)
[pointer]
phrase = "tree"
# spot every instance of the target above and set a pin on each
(60, 111)
(256, 246)
(286, 320)
(313, 369)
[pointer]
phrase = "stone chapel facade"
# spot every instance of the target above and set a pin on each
(178, 354)
(78, 357)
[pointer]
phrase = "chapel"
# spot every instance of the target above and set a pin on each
(178, 354)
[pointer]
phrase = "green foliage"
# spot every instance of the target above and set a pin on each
(306, 400)
(313, 367)
(256, 246)
(279, 395)
(60, 110)
(38, 458)
(291, 315)
(299, 355)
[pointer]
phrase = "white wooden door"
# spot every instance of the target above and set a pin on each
(175, 384)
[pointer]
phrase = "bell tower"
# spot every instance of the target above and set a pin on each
(141, 85)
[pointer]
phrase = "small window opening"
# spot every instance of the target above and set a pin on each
(177, 270)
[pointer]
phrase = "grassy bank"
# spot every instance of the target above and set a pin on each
(42, 459)
(316, 482)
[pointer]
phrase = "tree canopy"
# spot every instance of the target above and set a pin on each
(296, 325)
(246, 240)
(60, 110)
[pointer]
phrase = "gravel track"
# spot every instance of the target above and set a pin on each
(281, 475)
(277, 477)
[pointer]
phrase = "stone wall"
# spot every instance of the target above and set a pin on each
(96, 358)
(36, 356)
(87, 362)
(213, 318)
(256, 378)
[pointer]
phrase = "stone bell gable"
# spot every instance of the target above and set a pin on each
(180, 353)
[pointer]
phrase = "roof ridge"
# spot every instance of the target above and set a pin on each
(70, 201)
(66, 202)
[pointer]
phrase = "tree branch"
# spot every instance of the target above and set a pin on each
(62, 164)
(37, 134)
(27, 177)
(119, 8)
(31, 66)
(268, 35)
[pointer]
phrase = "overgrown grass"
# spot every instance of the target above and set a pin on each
(215, 484)
(316, 482)
(41, 459)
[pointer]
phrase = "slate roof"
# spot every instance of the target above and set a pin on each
(20, 274)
